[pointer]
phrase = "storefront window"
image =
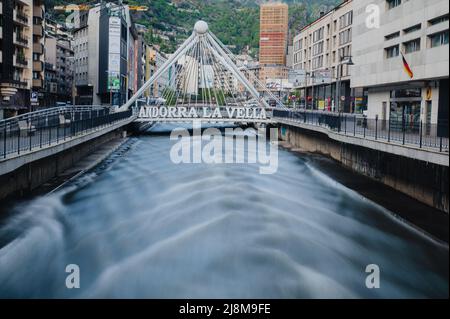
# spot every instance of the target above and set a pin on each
(405, 115)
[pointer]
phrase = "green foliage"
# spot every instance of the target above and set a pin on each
(235, 22)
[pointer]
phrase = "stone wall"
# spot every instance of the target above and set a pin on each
(34, 174)
(423, 181)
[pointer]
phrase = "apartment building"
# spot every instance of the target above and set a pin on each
(102, 48)
(59, 64)
(16, 52)
(274, 20)
(321, 49)
(59, 70)
(154, 61)
(418, 31)
(37, 83)
(141, 55)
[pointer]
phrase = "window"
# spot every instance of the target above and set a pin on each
(415, 28)
(318, 35)
(393, 3)
(318, 62)
(318, 48)
(392, 52)
(345, 37)
(346, 20)
(438, 20)
(412, 46)
(345, 51)
(439, 39)
(392, 36)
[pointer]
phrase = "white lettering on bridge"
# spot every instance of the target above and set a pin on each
(181, 112)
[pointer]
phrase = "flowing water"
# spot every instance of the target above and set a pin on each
(140, 226)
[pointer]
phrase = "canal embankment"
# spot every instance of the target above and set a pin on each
(43, 175)
(423, 180)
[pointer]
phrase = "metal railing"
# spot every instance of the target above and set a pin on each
(53, 126)
(404, 131)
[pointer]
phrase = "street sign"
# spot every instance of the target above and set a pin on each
(278, 84)
(34, 98)
(323, 77)
(114, 81)
(297, 78)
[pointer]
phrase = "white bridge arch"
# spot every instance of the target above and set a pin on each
(206, 85)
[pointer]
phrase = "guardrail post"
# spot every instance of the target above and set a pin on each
(339, 123)
(49, 135)
(389, 130)
(4, 143)
(40, 137)
(376, 127)
(345, 124)
(421, 132)
(18, 140)
(404, 131)
(29, 133)
(364, 125)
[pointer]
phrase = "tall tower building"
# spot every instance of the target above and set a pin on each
(274, 19)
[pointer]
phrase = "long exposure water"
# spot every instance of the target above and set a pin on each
(140, 226)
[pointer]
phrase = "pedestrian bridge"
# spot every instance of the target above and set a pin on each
(204, 83)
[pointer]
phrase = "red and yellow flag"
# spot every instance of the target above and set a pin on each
(407, 68)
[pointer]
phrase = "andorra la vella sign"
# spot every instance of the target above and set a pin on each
(184, 112)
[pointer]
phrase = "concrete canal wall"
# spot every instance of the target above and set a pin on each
(426, 181)
(38, 170)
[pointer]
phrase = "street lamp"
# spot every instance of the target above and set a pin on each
(344, 60)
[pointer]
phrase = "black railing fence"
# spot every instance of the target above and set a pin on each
(403, 131)
(53, 126)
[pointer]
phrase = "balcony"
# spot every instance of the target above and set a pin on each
(38, 12)
(25, 3)
(38, 48)
(38, 66)
(19, 82)
(20, 61)
(37, 83)
(21, 40)
(38, 30)
(20, 17)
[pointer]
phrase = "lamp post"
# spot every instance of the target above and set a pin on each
(344, 60)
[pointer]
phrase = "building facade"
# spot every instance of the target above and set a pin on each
(419, 32)
(59, 64)
(154, 61)
(16, 54)
(274, 24)
(37, 83)
(102, 48)
(320, 49)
